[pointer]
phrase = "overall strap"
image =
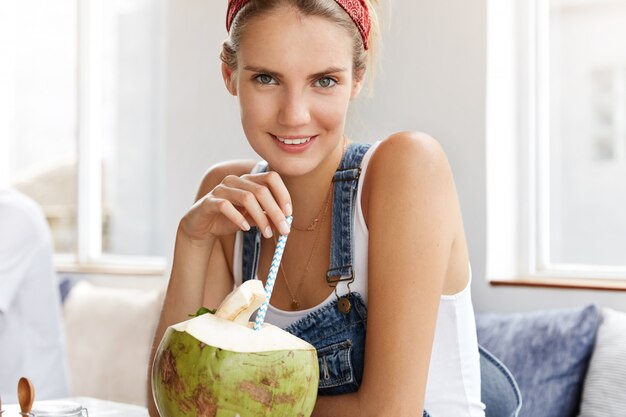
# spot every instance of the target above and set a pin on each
(251, 253)
(252, 241)
(346, 182)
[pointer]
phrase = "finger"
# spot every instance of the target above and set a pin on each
(229, 211)
(248, 200)
(280, 192)
(261, 188)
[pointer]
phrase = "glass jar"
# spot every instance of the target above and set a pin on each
(57, 409)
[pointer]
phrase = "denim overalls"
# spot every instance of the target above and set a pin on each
(339, 338)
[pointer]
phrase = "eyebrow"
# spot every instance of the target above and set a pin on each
(329, 70)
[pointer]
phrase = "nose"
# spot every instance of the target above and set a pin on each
(294, 109)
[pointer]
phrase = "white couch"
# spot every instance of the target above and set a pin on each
(108, 336)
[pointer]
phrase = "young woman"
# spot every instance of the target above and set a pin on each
(377, 239)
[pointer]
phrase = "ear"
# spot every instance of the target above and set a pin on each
(229, 79)
(357, 84)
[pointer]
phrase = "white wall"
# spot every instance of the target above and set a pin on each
(433, 79)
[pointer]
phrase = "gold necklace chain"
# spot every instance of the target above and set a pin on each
(295, 303)
(313, 225)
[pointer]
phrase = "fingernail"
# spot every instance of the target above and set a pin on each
(288, 209)
(268, 232)
(245, 225)
(284, 227)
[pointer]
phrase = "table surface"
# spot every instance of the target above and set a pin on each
(95, 407)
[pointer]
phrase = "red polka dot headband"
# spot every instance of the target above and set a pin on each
(357, 9)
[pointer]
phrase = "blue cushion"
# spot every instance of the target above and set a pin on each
(546, 351)
(66, 284)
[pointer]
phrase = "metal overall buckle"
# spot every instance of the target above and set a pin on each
(343, 303)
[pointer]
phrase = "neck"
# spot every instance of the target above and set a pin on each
(308, 192)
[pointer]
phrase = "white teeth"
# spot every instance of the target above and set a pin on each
(293, 141)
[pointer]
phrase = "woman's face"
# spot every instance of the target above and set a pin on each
(294, 81)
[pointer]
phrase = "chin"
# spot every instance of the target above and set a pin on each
(293, 168)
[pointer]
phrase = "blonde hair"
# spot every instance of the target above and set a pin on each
(362, 60)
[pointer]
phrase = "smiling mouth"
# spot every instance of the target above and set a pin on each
(298, 141)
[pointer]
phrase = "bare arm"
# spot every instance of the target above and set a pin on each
(193, 263)
(408, 257)
(200, 276)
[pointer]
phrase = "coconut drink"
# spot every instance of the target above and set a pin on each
(220, 364)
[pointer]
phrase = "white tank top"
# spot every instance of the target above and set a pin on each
(453, 387)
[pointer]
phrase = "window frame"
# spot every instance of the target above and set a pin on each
(7, 32)
(87, 256)
(518, 155)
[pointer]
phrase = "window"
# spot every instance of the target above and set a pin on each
(83, 136)
(557, 140)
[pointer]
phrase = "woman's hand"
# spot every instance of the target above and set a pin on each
(237, 203)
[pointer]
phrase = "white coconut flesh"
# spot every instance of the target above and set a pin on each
(229, 328)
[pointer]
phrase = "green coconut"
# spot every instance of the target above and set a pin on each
(218, 365)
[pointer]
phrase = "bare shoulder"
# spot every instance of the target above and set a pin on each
(216, 173)
(405, 159)
(414, 152)
(409, 174)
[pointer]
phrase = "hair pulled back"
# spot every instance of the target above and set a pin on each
(361, 59)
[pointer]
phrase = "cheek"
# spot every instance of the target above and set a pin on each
(254, 107)
(332, 110)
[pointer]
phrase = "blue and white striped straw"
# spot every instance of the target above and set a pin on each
(271, 278)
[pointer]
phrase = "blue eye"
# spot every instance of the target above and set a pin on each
(326, 82)
(264, 79)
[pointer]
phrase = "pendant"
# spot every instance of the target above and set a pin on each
(343, 305)
(295, 304)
